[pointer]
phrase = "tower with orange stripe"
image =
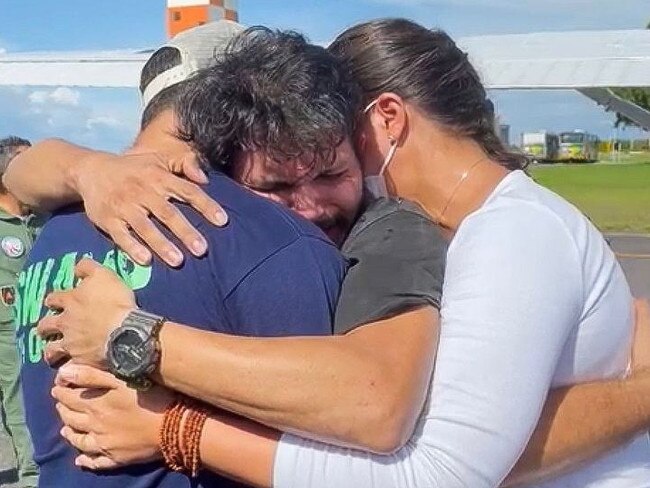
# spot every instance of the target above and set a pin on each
(185, 14)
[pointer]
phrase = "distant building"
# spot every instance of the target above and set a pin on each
(185, 14)
(504, 134)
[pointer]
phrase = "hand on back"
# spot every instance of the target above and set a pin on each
(123, 195)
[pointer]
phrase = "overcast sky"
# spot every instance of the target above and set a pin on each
(107, 118)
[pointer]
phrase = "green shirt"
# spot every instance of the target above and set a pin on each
(17, 235)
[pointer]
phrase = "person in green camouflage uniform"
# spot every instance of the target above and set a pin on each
(18, 229)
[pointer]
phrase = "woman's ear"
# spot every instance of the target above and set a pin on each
(390, 112)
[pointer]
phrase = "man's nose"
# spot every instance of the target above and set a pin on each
(311, 214)
(304, 204)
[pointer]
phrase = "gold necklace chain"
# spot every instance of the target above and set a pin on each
(463, 177)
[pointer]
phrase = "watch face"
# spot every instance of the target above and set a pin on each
(130, 351)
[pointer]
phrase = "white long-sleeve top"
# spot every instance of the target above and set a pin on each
(533, 298)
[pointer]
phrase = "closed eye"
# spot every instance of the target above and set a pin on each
(331, 176)
(271, 188)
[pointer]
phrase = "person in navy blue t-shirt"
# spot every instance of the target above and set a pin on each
(269, 272)
(267, 258)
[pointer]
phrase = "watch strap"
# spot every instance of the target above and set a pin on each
(145, 320)
(141, 383)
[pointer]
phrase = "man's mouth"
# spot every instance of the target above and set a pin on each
(336, 235)
(335, 229)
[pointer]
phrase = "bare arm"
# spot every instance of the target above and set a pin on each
(583, 422)
(123, 428)
(227, 439)
(121, 194)
(580, 424)
(44, 176)
(363, 389)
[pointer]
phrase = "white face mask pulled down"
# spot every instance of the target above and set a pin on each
(376, 184)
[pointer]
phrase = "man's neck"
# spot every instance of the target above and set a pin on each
(160, 137)
(11, 205)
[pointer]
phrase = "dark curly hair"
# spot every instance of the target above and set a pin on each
(272, 92)
(424, 67)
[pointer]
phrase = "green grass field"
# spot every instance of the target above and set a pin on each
(615, 195)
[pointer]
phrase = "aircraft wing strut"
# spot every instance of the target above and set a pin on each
(612, 102)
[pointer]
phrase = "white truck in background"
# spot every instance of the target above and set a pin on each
(541, 147)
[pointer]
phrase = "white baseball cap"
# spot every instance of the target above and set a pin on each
(199, 48)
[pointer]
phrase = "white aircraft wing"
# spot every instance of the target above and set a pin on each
(91, 69)
(588, 61)
(548, 60)
(562, 60)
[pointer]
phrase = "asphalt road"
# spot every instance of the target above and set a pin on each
(633, 252)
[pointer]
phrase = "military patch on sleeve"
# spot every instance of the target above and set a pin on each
(12, 246)
(8, 295)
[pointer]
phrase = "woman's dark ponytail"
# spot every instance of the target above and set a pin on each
(426, 68)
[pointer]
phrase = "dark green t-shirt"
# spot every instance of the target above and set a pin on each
(397, 262)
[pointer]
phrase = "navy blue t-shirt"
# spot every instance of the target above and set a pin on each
(267, 273)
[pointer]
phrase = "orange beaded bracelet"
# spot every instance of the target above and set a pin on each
(180, 435)
(192, 438)
(170, 434)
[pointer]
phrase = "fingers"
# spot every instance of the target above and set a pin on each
(95, 463)
(125, 240)
(50, 326)
(78, 421)
(191, 169)
(172, 218)
(158, 207)
(132, 216)
(55, 354)
(81, 440)
(83, 376)
(193, 195)
(50, 329)
(88, 267)
(57, 300)
(60, 380)
(147, 230)
(70, 398)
